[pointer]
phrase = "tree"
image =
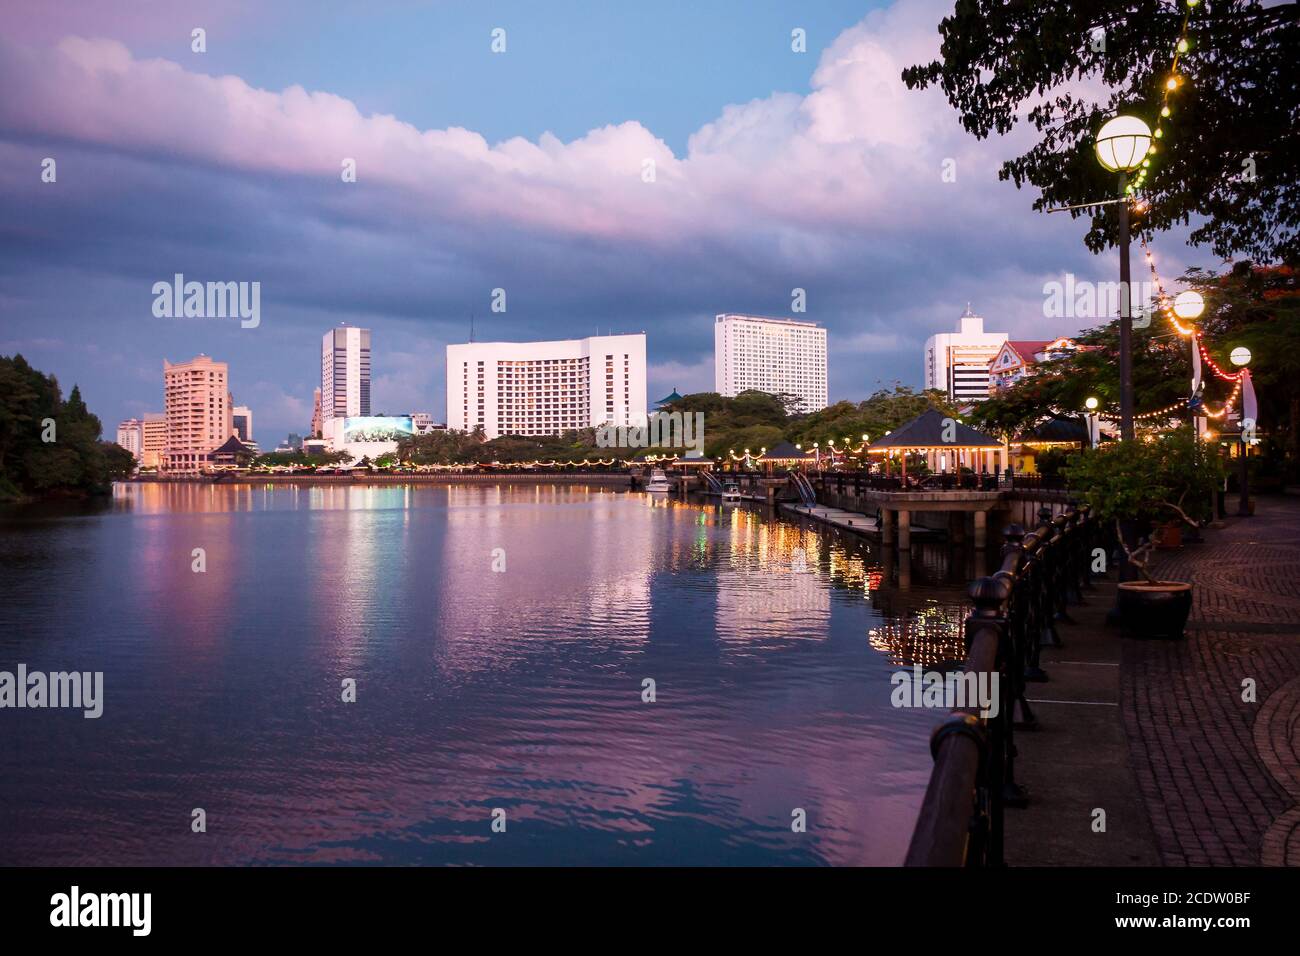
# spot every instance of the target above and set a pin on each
(1259, 307)
(75, 461)
(439, 448)
(1230, 154)
(884, 411)
(1161, 376)
(1171, 475)
(1253, 306)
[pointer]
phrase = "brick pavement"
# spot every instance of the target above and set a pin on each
(1220, 777)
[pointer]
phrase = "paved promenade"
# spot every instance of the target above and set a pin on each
(1221, 776)
(1156, 733)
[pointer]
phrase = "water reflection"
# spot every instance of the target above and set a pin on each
(769, 644)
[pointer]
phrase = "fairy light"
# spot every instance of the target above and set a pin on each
(1171, 85)
(1166, 411)
(1205, 357)
(1227, 405)
(1197, 343)
(1163, 296)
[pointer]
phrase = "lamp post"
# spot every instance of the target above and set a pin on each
(1091, 415)
(1241, 357)
(1122, 146)
(1188, 306)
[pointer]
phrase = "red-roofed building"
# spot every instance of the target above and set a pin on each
(1017, 358)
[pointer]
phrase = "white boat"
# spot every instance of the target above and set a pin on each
(731, 491)
(658, 481)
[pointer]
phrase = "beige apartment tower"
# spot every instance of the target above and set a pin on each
(154, 432)
(197, 404)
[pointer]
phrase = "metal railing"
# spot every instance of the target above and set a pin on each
(1016, 609)
(807, 494)
(1038, 483)
(851, 482)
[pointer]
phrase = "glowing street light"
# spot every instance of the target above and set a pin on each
(1188, 304)
(1122, 143)
(1240, 355)
(1122, 146)
(1091, 404)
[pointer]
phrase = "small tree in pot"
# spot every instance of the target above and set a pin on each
(1139, 485)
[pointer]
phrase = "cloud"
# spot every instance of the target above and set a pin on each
(837, 192)
(686, 377)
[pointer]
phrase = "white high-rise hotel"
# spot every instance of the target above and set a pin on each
(958, 362)
(770, 355)
(545, 388)
(344, 374)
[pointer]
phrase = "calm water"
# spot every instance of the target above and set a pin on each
(476, 690)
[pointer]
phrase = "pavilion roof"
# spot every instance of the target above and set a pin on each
(233, 446)
(1056, 428)
(928, 430)
(784, 451)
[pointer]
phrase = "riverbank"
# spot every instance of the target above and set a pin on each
(613, 479)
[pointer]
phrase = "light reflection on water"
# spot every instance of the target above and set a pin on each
(770, 645)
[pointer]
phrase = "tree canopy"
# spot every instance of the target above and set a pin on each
(49, 445)
(1230, 153)
(1253, 306)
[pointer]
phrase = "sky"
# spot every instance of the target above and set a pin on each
(523, 170)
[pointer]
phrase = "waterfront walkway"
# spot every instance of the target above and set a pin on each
(1156, 733)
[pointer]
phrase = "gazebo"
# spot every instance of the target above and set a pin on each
(947, 444)
(785, 455)
(694, 459)
(1053, 432)
(667, 400)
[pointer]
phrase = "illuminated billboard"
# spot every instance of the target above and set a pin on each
(372, 428)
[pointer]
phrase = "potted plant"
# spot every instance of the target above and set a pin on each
(1140, 486)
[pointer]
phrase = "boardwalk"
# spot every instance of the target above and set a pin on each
(1221, 776)
(1156, 733)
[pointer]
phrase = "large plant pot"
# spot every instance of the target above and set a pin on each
(1169, 536)
(1157, 610)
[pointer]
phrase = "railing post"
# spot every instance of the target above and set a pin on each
(990, 597)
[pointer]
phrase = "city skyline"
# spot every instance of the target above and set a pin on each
(593, 255)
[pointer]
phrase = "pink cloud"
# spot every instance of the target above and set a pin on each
(836, 157)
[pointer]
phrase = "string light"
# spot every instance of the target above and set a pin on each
(1166, 411)
(1205, 356)
(1197, 343)
(1183, 45)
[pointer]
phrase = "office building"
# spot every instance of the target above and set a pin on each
(778, 356)
(315, 414)
(546, 388)
(130, 435)
(344, 375)
(241, 418)
(957, 363)
(424, 424)
(196, 398)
